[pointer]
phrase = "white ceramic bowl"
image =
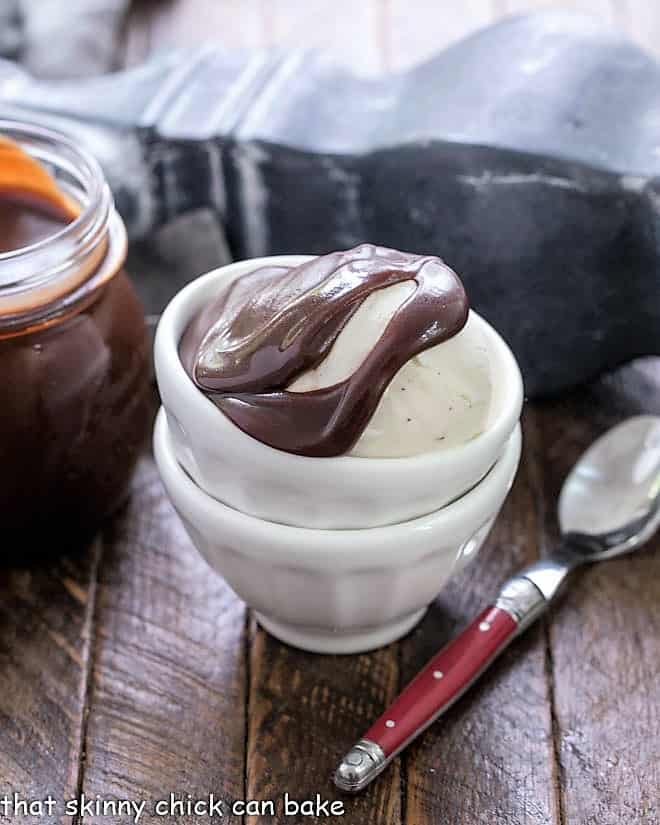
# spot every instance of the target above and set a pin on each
(336, 591)
(327, 493)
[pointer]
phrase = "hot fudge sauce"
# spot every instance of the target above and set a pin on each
(269, 326)
(22, 225)
(74, 408)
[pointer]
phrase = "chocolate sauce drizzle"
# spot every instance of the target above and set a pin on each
(271, 325)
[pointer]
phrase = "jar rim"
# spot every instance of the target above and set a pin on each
(78, 237)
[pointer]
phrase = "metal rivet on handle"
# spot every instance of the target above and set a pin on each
(390, 723)
(438, 674)
(354, 758)
(484, 626)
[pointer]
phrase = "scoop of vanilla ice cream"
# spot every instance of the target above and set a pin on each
(440, 398)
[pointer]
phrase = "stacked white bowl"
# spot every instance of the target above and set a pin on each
(336, 555)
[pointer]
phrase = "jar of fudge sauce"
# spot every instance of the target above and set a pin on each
(74, 376)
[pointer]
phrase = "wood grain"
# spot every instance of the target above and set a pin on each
(490, 759)
(154, 26)
(135, 43)
(305, 711)
(640, 20)
(46, 611)
(167, 699)
(415, 31)
(370, 37)
(603, 10)
(352, 33)
(605, 633)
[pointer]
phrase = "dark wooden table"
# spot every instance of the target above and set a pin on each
(130, 671)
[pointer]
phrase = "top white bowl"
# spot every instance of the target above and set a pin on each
(326, 493)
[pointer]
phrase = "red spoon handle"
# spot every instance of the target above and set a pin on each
(446, 677)
(450, 673)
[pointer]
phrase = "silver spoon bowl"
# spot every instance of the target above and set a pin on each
(609, 503)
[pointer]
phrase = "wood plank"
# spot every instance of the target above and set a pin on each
(350, 32)
(602, 10)
(167, 700)
(305, 711)
(372, 37)
(185, 23)
(154, 26)
(491, 758)
(46, 610)
(419, 30)
(641, 21)
(638, 19)
(605, 632)
(135, 40)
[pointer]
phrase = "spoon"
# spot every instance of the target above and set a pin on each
(609, 505)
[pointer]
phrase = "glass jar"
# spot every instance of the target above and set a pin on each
(74, 364)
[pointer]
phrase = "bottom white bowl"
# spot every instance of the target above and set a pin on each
(337, 591)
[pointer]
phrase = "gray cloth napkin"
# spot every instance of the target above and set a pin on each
(61, 38)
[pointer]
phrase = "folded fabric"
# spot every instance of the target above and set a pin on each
(56, 40)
